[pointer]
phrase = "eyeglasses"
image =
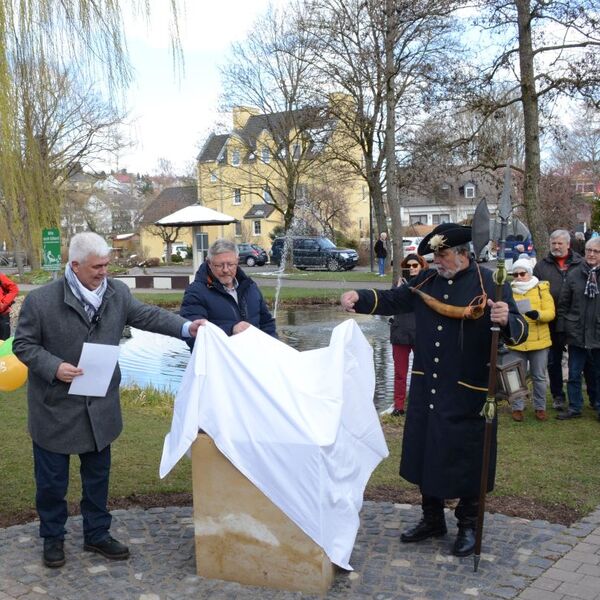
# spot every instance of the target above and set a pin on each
(223, 266)
(412, 265)
(593, 250)
(520, 274)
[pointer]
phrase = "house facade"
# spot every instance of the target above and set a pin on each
(251, 171)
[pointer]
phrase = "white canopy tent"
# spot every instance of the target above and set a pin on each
(195, 216)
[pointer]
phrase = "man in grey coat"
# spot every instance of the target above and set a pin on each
(54, 323)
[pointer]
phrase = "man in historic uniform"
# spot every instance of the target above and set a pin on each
(443, 436)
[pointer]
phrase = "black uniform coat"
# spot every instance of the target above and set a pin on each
(443, 435)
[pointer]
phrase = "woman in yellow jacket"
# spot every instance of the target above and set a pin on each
(535, 302)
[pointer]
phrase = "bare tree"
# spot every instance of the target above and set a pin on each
(271, 71)
(548, 50)
(62, 126)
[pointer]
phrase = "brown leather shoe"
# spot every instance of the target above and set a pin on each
(540, 415)
(517, 415)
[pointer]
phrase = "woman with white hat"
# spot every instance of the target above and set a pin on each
(534, 300)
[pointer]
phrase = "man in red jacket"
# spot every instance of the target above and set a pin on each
(8, 293)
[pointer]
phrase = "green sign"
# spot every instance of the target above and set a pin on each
(51, 249)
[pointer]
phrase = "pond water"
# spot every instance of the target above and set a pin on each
(151, 359)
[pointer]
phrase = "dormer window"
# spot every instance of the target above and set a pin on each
(266, 155)
(213, 177)
(235, 158)
(267, 197)
(469, 190)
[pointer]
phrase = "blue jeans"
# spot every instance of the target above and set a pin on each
(52, 481)
(381, 263)
(577, 360)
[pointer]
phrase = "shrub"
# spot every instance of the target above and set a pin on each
(175, 258)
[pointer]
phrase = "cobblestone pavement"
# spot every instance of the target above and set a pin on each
(532, 560)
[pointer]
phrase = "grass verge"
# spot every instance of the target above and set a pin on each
(551, 464)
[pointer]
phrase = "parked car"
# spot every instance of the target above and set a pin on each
(252, 254)
(177, 248)
(315, 252)
(411, 244)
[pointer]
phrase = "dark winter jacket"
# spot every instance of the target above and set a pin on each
(578, 314)
(380, 249)
(547, 270)
(443, 435)
(207, 298)
(52, 328)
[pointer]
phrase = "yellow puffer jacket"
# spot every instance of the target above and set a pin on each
(539, 332)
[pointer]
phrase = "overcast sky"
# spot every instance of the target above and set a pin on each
(170, 118)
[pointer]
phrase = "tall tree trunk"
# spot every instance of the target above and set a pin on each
(390, 140)
(532, 130)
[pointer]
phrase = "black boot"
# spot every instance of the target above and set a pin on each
(464, 544)
(424, 529)
(54, 553)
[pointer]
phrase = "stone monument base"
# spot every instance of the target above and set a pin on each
(240, 535)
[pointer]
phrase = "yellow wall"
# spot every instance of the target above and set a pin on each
(217, 191)
(153, 246)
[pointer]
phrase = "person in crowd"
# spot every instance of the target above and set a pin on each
(578, 242)
(444, 431)
(222, 293)
(8, 292)
(84, 306)
(554, 268)
(380, 249)
(578, 318)
(402, 335)
(533, 298)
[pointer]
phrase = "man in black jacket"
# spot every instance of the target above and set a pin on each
(444, 431)
(578, 315)
(225, 295)
(554, 268)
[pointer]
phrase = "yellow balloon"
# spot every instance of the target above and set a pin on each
(13, 373)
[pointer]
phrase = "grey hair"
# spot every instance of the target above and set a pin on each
(595, 241)
(579, 235)
(561, 233)
(87, 244)
(221, 246)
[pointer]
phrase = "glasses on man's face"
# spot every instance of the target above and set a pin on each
(593, 250)
(223, 266)
(412, 265)
(520, 274)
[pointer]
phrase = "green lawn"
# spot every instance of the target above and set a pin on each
(550, 463)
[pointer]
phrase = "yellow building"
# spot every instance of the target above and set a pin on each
(170, 200)
(251, 172)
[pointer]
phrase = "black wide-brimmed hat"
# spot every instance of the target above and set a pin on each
(446, 235)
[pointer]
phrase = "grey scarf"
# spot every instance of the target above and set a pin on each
(89, 299)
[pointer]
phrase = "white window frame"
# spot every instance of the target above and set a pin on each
(256, 227)
(265, 154)
(469, 191)
(441, 218)
(237, 197)
(236, 158)
(213, 177)
(267, 196)
(418, 219)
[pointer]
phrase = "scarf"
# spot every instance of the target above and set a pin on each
(90, 300)
(522, 287)
(591, 285)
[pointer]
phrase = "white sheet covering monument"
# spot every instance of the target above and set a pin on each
(301, 426)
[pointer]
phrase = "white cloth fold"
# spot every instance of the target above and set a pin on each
(301, 426)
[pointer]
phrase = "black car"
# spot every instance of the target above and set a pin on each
(314, 252)
(252, 254)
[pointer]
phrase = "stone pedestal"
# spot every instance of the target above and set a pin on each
(242, 536)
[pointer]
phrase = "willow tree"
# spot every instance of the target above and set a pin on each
(38, 39)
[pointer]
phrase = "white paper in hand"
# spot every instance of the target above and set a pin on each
(524, 305)
(98, 362)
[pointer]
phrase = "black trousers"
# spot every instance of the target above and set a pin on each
(465, 511)
(4, 326)
(52, 481)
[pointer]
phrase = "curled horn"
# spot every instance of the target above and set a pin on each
(474, 310)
